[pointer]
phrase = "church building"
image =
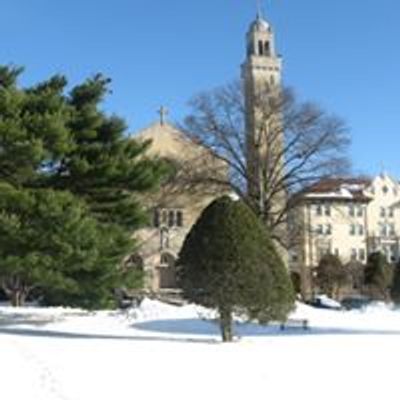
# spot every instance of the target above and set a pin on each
(178, 204)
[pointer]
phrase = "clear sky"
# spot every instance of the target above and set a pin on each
(343, 54)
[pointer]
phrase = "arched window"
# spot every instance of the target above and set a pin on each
(267, 48)
(135, 261)
(260, 48)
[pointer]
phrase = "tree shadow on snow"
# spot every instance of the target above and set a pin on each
(52, 334)
(199, 327)
(170, 330)
(15, 319)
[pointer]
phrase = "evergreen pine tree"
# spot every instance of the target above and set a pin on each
(61, 148)
(46, 239)
(228, 262)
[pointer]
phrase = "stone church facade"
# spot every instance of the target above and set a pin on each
(176, 206)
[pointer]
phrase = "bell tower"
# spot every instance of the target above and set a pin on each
(262, 65)
(261, 76)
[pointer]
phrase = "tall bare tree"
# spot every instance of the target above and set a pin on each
(301, 144)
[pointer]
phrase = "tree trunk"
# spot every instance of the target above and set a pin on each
(17, 298)
(225, 319)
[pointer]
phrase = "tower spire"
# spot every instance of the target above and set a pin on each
(259, 10)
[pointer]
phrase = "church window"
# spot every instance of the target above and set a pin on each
(135, 262)
(167, 218)
(267, 49)
(260, 48)
(171, 218)
(156, 218)
(179, 219)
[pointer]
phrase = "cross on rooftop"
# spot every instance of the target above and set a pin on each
(163, 112)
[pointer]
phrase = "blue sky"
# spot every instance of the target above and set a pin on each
(342, 54)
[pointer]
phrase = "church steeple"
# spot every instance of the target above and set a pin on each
(261, 74)
(262, 59)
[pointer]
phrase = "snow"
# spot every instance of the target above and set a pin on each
(327, 302)
(163, 351)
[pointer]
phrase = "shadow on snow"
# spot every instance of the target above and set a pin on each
(170, 330)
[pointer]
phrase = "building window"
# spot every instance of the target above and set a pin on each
(361, 254)
(318, 209)
(167, 218)
(260, 48)
(383, 212)
(351, 210)
(328, 210)
(385, 190)
(156, 218)
(352, 229)
(267, 48)
(391, 212)
(360, 211)
(354, 254)
(171, 218)
(361, 230)
(383, 230)
(328, 230)
(179, 218)
(392, 230)
(320, 229)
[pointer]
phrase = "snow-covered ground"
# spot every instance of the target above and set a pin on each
(160, 351)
